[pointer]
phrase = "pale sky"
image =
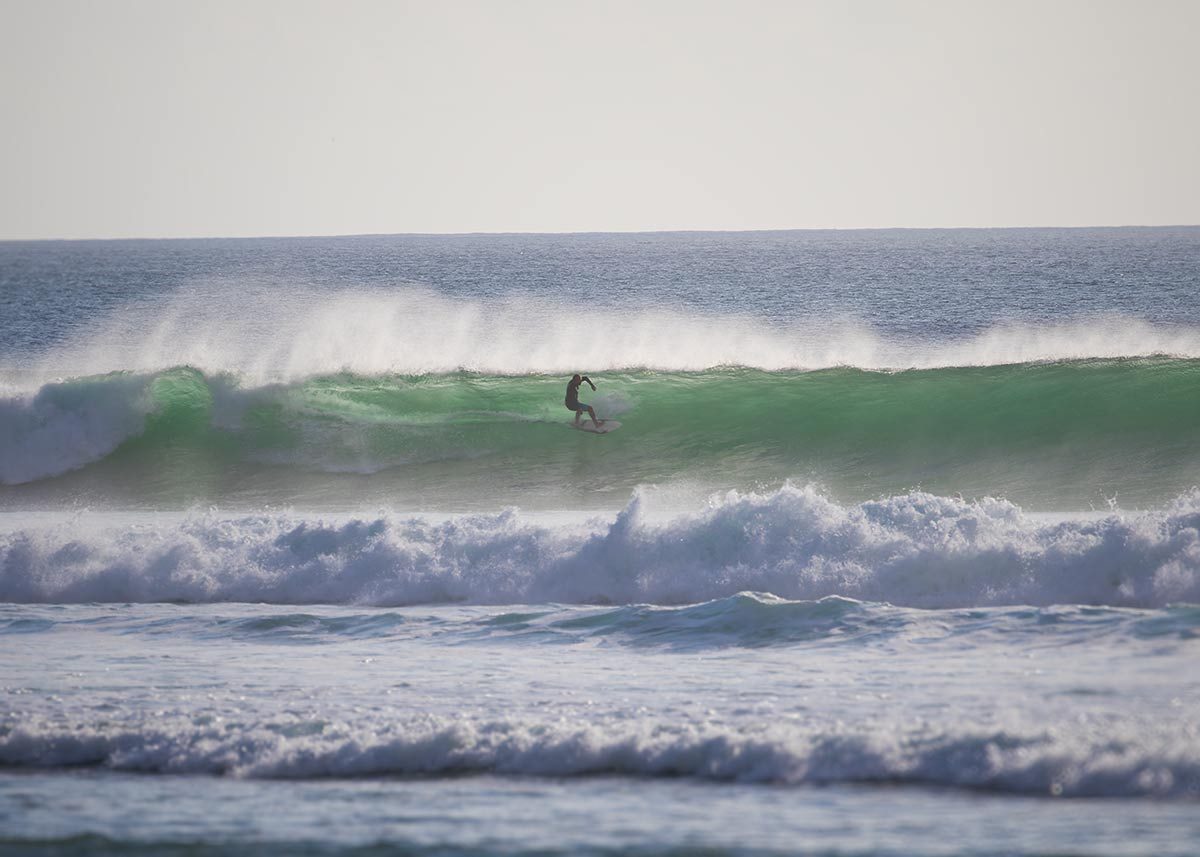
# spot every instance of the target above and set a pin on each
(124, 118)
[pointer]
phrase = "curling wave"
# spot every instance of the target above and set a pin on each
(1066, 433)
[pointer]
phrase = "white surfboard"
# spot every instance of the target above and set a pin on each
(604, 428)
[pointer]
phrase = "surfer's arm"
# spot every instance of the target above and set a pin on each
(589, 381)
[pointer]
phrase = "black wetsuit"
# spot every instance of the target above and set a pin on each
(572, 399)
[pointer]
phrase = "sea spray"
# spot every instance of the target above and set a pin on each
(410, 330)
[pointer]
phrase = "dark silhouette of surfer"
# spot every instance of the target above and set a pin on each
(573, 399)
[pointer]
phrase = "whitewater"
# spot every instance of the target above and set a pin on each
(897, 549)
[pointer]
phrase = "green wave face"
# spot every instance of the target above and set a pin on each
(1051, 436)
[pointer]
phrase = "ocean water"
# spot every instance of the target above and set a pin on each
(896, 552)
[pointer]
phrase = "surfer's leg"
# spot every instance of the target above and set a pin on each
(578, 414)
(595, 421)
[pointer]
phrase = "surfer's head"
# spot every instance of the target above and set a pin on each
(575, 378)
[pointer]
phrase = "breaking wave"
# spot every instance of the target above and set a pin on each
(917, 550)
(1073, 432)
(1140, 760)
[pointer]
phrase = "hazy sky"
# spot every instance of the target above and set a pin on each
(299, 118)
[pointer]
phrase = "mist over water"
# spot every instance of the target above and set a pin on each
(261, 338)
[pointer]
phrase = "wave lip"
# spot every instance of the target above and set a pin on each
(914, 550)
(64, 426)
(1055, 762)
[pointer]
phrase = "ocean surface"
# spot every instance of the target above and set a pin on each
(896, 551)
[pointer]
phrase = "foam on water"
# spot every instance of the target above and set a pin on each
(916, 549)
(1112, 759)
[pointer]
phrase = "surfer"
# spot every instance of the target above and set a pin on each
(573, 399)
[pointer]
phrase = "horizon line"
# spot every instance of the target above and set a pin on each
(568, 232)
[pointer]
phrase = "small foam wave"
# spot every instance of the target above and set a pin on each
(916, 549)
(1068, 761)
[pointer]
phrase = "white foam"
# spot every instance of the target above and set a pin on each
(1133, 759)
(916, 550)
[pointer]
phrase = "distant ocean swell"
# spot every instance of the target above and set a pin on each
(1122, 759)
(917, 550)
(1113, 422)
